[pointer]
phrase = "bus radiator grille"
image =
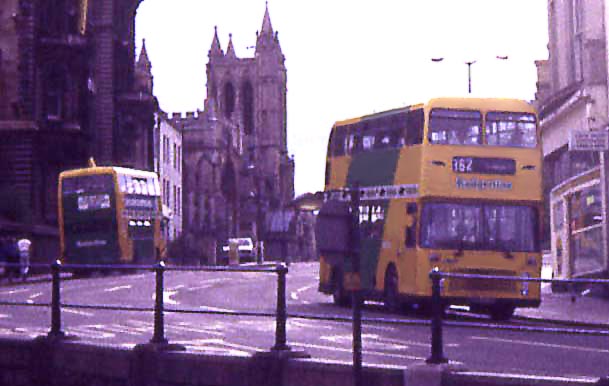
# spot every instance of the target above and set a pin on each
(475, 284)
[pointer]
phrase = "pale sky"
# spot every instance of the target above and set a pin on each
(347, 58)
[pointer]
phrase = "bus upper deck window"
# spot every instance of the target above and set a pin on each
(455, 127)
(512, 129)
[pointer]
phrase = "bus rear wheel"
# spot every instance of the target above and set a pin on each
(391, 299)
(340, 297)
(501, 311)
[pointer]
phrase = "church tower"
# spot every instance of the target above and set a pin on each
(251, 92)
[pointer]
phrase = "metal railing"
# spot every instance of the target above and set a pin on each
(158, 338)
(281, 315)
(437, 351)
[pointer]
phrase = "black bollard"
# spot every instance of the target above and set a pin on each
(282, 314)
(159, 327)
(437, 355)
(56, 302)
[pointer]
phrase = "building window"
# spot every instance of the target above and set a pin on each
(179, 202)
(175, 156)
(247, 108)
(229, 100)
(54, 94)
(175, 199)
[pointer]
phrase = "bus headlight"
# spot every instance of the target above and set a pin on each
(524, 288)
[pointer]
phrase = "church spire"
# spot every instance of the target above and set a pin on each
(215, 50)
(143, 71)
(267, 27)
(267, 38)
(230, 50)
(143, 62)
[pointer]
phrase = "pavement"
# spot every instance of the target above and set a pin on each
(588, 307)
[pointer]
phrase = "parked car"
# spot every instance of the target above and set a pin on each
(245, 246)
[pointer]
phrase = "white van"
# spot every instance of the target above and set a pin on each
(245, 245)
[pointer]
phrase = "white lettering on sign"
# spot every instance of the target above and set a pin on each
(478, 184)
(91, 243)
(589, 140)
(378, 192)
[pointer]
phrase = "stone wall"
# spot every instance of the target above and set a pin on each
(45, 362)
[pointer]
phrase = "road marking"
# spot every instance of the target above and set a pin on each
(118, 288)
(215, 309)
(365, 352)
(549, 345)
(219, 346)
(37, 294)
(206, 284)
(15, 291)
(77, 312)
(92, 331)
(294, 294)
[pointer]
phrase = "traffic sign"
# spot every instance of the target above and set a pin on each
(585, 140)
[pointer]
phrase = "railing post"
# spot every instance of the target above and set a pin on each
(437, 355)
(356, 295)
(159, 327)
(56, 302)
(282, 314)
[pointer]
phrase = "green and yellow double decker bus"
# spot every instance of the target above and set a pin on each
(454, 183)
(110, 215)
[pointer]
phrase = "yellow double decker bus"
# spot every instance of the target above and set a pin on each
(110, 215)
(454, 183)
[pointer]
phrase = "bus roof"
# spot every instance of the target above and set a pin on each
(378, 115)
(108, 170)
(483, 104)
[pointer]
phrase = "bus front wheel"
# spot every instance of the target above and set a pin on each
(390, 294)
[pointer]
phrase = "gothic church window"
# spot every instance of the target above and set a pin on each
(54, 94)
(247, 107)
(229, 100)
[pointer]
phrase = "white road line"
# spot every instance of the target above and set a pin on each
(294, 294)
(539, 344)
(118, 288)
(206, 284)
(77, 312)
(215, 309)
(365, 352)
(15, 291)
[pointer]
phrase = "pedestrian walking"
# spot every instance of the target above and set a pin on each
(24, 246)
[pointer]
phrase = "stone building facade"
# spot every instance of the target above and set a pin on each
(572, 96)
(68, 91)
(572, 87)
(168, 164)
(237, 171)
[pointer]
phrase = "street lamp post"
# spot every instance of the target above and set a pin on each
(469, 64)
(469, 75)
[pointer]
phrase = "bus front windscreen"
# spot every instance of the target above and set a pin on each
(479, 227)
(87, 199)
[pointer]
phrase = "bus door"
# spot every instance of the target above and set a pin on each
(371, 221)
